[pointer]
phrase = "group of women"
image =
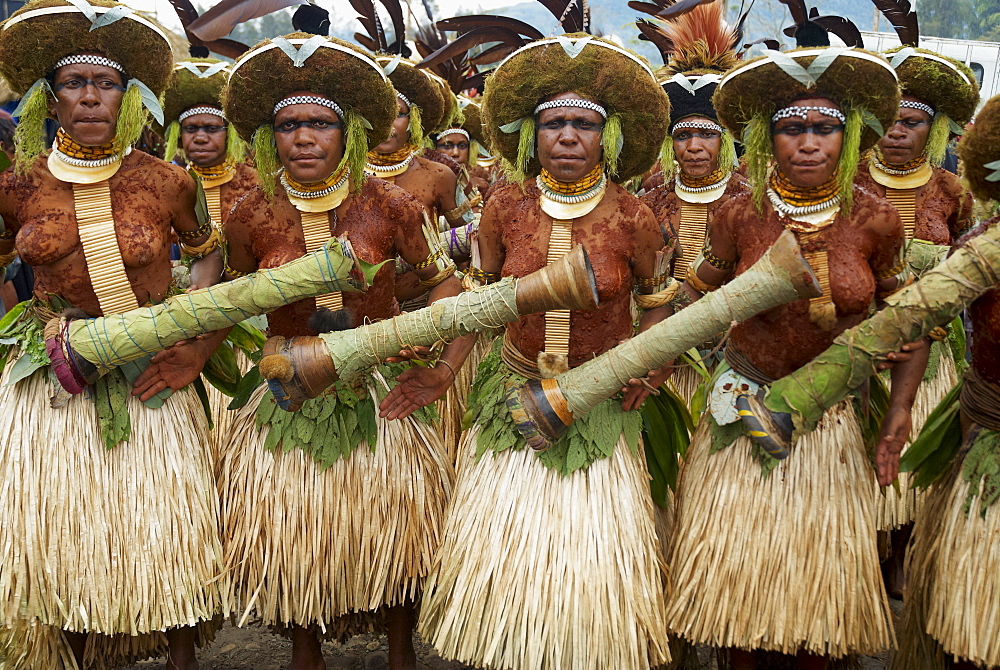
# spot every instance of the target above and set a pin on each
(129, 530)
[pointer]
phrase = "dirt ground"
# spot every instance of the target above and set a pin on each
(256, 648)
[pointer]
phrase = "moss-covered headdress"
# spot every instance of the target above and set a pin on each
(862, 83)
(45, 34)
(323, 66)
(421, 94)
(980, 152)
(702, 51)
(638, 110)
(944, 84)
(195, 87)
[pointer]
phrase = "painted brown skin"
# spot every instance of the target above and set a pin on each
(666, 207)
(383, 221)
(860, 246)
(621, 237)
(244, 181)
(985, 315)
(150, 200)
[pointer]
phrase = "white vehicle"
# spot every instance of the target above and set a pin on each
(982, 57)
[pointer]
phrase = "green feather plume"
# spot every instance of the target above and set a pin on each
(850, 155)
(356, 148)
(265, 153)
(760, 151)
(29, 136)
(667, 158)
(937, 140)
(236, 148)
(416, 126)
(132, 116)
(612, 141)
(172, 141)
(474, 152)
(728, 160)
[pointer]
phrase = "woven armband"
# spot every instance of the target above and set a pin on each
(938, 334)
(188, 235)
(236, 274)
(459, 212)
(661, 298)
(713, 260)
(653, 284)
(482, 276)
(697, 284)
(203, 249)
(7, 259)
(901, 273)
(6, 233)
(442, 274)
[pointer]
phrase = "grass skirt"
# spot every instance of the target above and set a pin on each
(306, 545)
(782, 563)
(222, 416)
(685, 381)
(538, 571)
(893, 509)
(122, 542)
(952, 603)
(451, 408)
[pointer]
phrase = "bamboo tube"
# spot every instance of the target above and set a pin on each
(937, 298)
(303, 367)
(85, 349)
(543, 409)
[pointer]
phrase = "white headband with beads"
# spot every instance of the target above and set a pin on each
(87, 59)
(913, 104)
(309, 100)
(572, 102)
(455, 131)
(194, 111)
(404, 99)
(704, 125)
(803, 111)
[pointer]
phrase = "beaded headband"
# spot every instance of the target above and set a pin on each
(404, 99)
(913, 104)
(87, 59)
(803, 111)
(309, 100)
(706, 125)
(572, 102)
(455, 131)
(194, 111)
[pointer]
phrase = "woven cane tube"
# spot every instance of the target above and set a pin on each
(543, 409)
(934, 300)
(109, 341)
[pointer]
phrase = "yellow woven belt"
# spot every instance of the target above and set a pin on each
(96, 225)
(316, 230)
(691, 235)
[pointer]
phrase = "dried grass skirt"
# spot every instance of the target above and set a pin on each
(307, 545)
(894, 509)
(782, 563)
(952, 603)
(538, 571)
(121, 542)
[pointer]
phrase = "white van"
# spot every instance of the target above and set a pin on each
(982, 57)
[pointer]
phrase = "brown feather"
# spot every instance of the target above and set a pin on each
(492, 55)
(221, 18)
(571, 14)
(473, 38)
(680, 8)
(797, 8)
(464, 24)
(185, 11)
(365, 41)
(702, 40)
(903, 20)
(395, 11)
(228, 48)
(842, 28)
(655, 34)
(650, 8)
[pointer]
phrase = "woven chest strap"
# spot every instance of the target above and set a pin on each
(316, 231)
(96, 226)
(557, 321)
(821, 310)
(691, 234)
(905, 202)
(213, 199)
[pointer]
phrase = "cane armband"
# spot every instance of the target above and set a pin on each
(7, 259)
(482, 277)
(900, 272)
(5, 232)
(197, 252)
(653, 292)
(235, 274)
(459, 212)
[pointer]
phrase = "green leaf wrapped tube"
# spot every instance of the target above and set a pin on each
(543, 409)
(937, 298)
(84, 349)
(303, 367)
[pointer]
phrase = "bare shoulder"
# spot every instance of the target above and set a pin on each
(252, 208)
(381, 196)
(140, 171)
(948, 182)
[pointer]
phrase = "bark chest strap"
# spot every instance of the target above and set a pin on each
(557, 322)
(905, 202)
(691, 235)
